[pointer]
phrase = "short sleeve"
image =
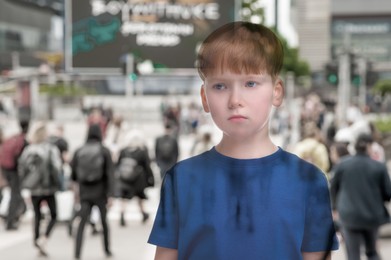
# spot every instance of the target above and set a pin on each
(319, 231)
(165, 228)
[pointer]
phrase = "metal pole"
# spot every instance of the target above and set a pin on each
(343, 88)
(15, 58)
(362, 66)
(129, 70)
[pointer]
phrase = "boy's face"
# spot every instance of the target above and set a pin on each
(240, 104)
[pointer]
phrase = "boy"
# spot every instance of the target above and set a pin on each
(246, 198)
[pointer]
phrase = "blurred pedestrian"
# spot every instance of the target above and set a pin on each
(3, 181)
(92, 170)
(166, 149)
(338, 151)
(171, 117)
(3, 110)
(39, 171)
(134, 173)
(11, 150)
(115, 136)
(57, 138)
(359, 190)
(377, 150)
(311, 149)
(203, 141)
(96, 117)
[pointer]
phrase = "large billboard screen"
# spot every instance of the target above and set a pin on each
(101, 32)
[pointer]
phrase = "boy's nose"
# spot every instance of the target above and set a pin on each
(234, 99)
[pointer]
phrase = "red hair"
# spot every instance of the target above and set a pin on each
(241, 47)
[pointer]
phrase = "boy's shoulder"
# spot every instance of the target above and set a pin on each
(283, 162)
(282, 157)
(195, 159)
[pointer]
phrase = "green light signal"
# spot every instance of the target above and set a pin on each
(333, 79)
(356, 81)
(133, 76)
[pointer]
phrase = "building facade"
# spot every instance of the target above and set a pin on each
(25, 29)
(364, 29)
(312, 22)
(326, 28)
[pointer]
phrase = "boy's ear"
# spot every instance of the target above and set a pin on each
(278, 93)
(204, 100)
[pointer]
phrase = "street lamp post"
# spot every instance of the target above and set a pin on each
(343, 88)
(129, 85)
(362, 67)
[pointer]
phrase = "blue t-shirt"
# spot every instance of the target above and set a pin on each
(217, 207)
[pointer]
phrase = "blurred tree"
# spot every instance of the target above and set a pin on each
(252, 11)
(292, 61)
(383, 87)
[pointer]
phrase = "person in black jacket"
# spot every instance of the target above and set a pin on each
(134, 173)
(358, 191)
(166, 150)
(95, 185)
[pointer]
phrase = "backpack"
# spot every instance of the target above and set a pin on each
(36, 171)
(166, 148)
(90, 163)
(129, 170)
(10, 151)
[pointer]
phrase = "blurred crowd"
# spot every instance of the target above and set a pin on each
(354, 160)
(114, 163)
(124, 165)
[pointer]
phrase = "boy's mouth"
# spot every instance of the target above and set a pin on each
(237, 118)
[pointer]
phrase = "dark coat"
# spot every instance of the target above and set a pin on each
(103, 188)
(146, 179)
(358, 192)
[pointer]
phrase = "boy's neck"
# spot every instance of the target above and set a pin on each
(246, 150)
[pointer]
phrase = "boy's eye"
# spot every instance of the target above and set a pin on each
(219, 86)
(251, 84)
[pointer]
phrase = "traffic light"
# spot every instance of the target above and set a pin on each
(133, 76)
(331, 73)
(129, 67)
(355, 77)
